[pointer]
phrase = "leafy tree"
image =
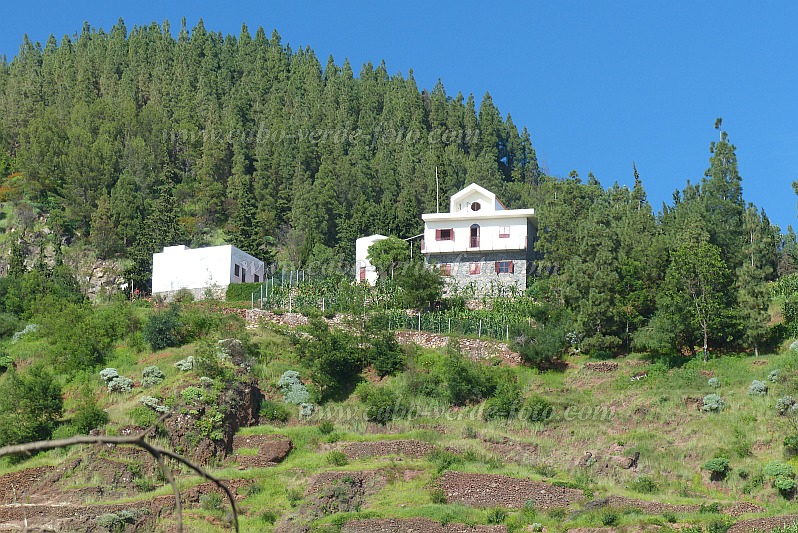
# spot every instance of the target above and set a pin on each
(696, 288)
(103, 232)
(387, 254)
(30, 405)
(421, 286)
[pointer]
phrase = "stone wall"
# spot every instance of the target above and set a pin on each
(487, 281)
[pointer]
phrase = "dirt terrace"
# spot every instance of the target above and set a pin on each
(601, 366)
(763, 524)
(409, 448)
(489, 490)
(15, 484)
(415, 525)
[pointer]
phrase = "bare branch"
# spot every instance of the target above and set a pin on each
(131, 440)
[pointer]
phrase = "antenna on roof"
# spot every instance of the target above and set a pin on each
(437, 193)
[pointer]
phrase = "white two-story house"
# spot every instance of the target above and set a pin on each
(479, 243)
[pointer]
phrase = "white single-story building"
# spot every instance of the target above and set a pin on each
(364, 270)
(203, 270)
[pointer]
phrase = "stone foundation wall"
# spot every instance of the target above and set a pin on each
(487, 281)
(216, 292)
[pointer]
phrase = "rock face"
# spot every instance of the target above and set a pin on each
(241, 403)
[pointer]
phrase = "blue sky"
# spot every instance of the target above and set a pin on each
(598, 84)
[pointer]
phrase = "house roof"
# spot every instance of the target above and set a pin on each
(458, 206)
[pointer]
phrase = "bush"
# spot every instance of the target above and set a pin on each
(610, 517)
(505, 402)
(386, 355)
(142, 416)
(437, 495)
(337, 458)
(108, 374)
(713, 383)
(645, 485)
(776, 468)
(774, 376)
(718, 468)
(757, 388)
(464, 380)
(120, 384)
(294, 391)
(183, 296)
(784, 484)
(162, 329)
(151, 376)
(382, 405)
(30, 405)
(785, 405)
(542, 347)
(326, 427)
(713, 403)
(274, 411)
(89, 416)
(192, 395)
(153, 403)
(211, 502)
(497, 515)
(185, 364)
(791, 444)
(444, 459)
(538, 409)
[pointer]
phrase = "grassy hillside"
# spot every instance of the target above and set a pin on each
(600, 419)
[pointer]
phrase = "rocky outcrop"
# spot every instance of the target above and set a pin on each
(601, 366)
(239, 402)
(272, 449)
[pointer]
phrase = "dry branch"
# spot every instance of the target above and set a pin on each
(131, 440)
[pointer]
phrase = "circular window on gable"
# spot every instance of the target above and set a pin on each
(475, 206)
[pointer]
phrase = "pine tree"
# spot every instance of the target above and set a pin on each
(752, 293)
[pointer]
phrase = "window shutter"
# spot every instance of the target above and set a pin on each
(496, 264)
(512, 266)
(451, 234)
(437, 234)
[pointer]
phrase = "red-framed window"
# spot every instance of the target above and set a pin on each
(445, 269)
(444, 234)
(362, 273)
(474, 268)
(504, 232)
(505, 267)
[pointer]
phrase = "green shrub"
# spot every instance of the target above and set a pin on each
(142, 416)
(718, 468)
(777, 468)
(151, 376)
(670, 517)
(497, 515)
(775, 375)
(791, 444)
(757, 388)
(464, 380)
(444, 459)
(644, 485)
(437, 495)
(784, 484)
(386, 355)
(294, 391)
(382, 405)
(211, 502)
(713, 403)
(183, 296)
(713, 383)
(610, 517)
(89, 416)
(163, 329)
(269, 517)
(709, 508)
(785, 405)
(326, 427)
(186, 364)
(274, 411)
(505, 402)
(538, 409)
(192, 395)
(337, 458)
(542, 347)
(31, 403)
